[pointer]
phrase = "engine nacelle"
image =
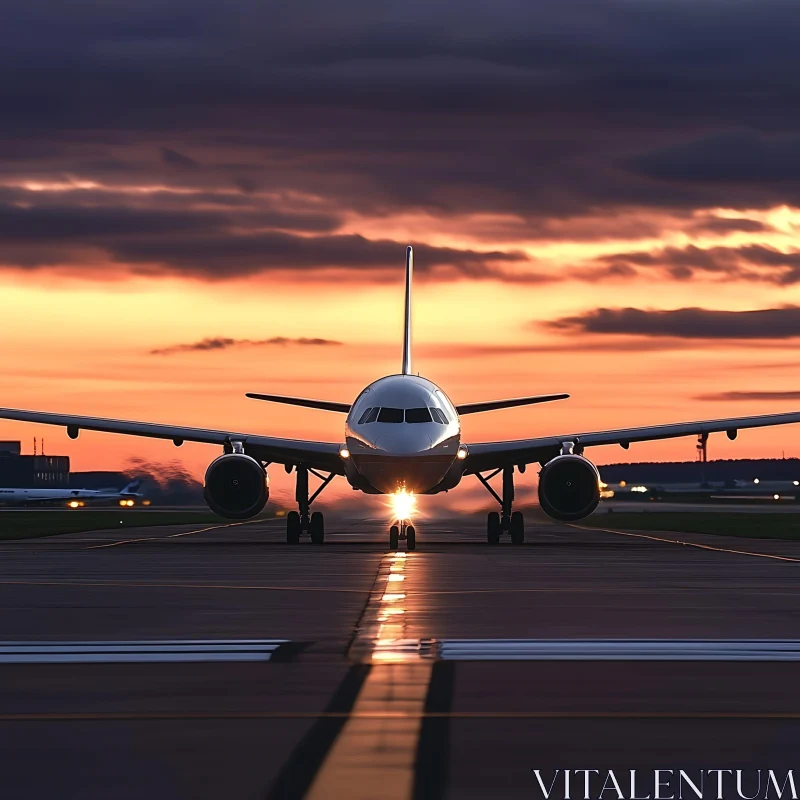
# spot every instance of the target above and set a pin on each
(236, 486)
(569, 487)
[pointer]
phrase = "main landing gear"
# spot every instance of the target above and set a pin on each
(403, 530)
(302, 521)
(506, 521)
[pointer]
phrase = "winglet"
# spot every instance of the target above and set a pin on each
(407, 328)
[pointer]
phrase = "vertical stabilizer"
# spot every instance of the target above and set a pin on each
(407, 318)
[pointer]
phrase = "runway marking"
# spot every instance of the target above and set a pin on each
(688, 544)
(179, 716)
(157, 585)
(375, 753)
(148, 651)
(763, 650)
(171, 535)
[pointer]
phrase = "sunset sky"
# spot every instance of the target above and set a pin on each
(201, 199)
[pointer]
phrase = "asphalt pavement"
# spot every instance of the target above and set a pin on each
(218, 661)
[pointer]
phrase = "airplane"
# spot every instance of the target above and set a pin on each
(402, 437)
(72, 497)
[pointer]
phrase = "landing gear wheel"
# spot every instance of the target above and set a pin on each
(517, 528)
(411, 538)
(293, 528)
(394, 537)
(493, 528)
(316, 527)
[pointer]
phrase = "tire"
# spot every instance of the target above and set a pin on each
(411, 538)
(493, 528)
(293, 528)
(394, 537)
(316, 528)
(517, 528)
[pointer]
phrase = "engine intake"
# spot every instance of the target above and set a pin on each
(569, 487)
(236, 486)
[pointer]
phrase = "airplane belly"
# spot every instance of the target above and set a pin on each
(389, 474)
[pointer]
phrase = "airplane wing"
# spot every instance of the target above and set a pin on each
(321, 455)
(493, 455)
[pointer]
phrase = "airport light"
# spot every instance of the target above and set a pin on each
(74, 504)
(756, 480)
(796, 483)
(776, 497)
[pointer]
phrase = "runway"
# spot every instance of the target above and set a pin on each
(452, 671)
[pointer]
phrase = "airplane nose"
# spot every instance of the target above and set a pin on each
(405, 443)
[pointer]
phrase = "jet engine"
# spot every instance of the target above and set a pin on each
(569, 487)
(236, 486)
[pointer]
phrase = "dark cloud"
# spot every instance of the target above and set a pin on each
(748, 262)
(564, 117)
(726, 225)
(736, 396)
(223, 256)
(224, 343)
(532, 107)
(687, 323)
(175, 159)
(730, 158)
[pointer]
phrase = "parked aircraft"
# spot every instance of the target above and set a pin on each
(74, 497)
(402, 436)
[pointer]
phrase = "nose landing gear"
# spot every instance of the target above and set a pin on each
(403, 530)
(302, 521)
(505, 521)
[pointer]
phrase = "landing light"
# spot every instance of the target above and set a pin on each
(344, 452)
(74, 504)
(462, 453)
(403, 503)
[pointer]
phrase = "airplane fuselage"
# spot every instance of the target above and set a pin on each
(403, 432)
(21, 496)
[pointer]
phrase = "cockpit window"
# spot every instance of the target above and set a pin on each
(438, 415)
(390, 415)
(370, 415)
(418, 415)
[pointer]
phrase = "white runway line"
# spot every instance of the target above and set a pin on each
(615, 649)
(127, 652)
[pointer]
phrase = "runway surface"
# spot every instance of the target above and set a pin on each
(183, 662)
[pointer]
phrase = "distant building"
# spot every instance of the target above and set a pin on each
(32, 472)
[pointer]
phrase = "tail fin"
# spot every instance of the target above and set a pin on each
(131, 488)
(407, 329)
